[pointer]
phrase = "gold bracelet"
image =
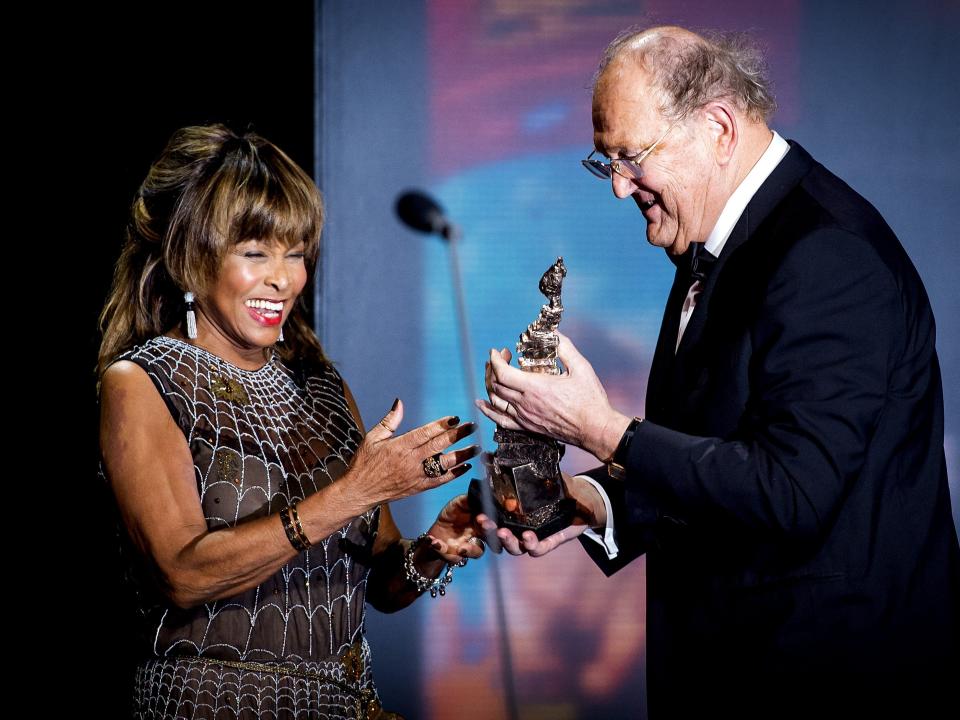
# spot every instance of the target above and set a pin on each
(292, 535)
(298, 528)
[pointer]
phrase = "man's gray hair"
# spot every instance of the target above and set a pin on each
(691, 71)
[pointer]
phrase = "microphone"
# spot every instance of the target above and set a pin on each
(421, 212)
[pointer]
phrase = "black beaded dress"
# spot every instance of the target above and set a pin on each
(294, 646)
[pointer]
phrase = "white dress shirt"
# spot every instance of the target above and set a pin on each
(717, 238)
(732, 211)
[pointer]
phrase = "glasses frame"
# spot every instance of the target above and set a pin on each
(628, 167)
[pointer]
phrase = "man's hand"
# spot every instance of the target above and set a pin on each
(571, 407)
(590, 513)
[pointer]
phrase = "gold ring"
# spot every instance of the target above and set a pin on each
(385, 426)
(432, 467)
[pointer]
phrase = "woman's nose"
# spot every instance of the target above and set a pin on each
(279, 275)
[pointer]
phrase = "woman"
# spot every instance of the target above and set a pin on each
(255, 509)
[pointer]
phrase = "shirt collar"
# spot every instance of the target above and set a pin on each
(745, 191)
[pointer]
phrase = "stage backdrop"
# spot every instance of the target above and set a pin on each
(486, 105)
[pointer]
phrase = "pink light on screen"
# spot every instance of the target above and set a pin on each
(512, 77)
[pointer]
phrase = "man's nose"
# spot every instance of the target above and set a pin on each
(622, 187)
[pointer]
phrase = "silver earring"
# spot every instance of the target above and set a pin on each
(191, 316)
(280, 339)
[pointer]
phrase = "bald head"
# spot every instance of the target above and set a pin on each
(688, 70)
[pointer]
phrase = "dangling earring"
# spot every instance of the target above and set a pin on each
(191, 316)
(280, 339)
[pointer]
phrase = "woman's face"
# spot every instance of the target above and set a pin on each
(253, 295)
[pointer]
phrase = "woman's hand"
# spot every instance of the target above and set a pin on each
(388, 467)
(454, 535)
(451, 539)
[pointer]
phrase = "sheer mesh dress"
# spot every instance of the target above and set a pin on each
(292, 647)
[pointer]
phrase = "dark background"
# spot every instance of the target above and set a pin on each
(124, 80)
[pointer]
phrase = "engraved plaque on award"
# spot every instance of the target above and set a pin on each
(524, 471)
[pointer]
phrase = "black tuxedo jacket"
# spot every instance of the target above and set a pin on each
(788, 484)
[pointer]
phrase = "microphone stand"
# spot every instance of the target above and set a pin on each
(452, 235)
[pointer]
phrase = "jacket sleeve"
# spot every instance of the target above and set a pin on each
(633, 519)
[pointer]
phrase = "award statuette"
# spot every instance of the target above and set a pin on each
(524, 471)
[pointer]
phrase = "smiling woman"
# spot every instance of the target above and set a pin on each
(252, 509)
(258, 284)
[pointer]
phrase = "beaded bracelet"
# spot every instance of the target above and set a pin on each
(434, 585)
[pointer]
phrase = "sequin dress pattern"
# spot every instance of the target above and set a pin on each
(293, 646)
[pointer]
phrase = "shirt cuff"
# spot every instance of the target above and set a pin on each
(606, 540)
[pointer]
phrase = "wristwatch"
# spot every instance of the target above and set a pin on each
(615, 468)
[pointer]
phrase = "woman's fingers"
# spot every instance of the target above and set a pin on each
(430, 482)
(389, 424)
(451, 460)
(390, 467)
(437, 435)
(453, 551)
(451, 465)
(473, 548)
(425, 433)
(446, 438)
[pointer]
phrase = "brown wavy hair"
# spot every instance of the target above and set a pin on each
(209, 189)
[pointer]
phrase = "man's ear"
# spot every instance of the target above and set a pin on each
(722, 129)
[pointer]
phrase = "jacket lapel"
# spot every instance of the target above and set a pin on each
(784, 178)
(661, 370)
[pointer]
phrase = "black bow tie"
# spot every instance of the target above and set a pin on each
(697, 261)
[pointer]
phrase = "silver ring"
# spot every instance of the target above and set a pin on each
(476, 541)
(432, 467)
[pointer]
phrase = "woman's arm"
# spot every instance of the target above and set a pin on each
(151, 471)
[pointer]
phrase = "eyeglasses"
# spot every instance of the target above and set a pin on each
(628, 167)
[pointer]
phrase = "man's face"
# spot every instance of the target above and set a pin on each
(674, 192)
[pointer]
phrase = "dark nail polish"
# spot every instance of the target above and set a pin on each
(455, 420)
(466, 468)
(395, 403)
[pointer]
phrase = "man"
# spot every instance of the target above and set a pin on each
(788, 482)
